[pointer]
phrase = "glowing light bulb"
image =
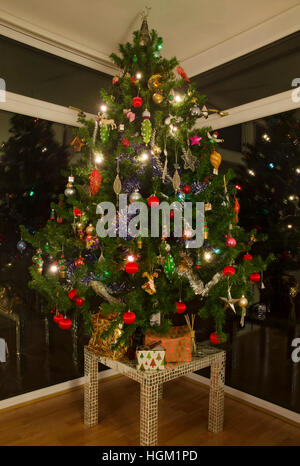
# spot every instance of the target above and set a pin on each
(238, 187)
(291, 197)
(144, 156)
(207, 256)
(130, 258)
(266, 137)
(98, 157)
(138, 75)
(298, 170)
(290, 226)
(178, 98)
(53, 268)
(251, 172)
(103, 108)
(271, 165)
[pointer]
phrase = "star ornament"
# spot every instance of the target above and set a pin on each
(195, 140)
(229, 301)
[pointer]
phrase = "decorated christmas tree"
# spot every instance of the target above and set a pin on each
(144, 144)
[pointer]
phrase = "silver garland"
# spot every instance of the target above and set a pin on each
(100, 290)
(197, 285)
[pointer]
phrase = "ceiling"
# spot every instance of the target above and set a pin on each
(202, 34)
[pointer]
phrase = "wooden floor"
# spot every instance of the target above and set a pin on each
(182, 420)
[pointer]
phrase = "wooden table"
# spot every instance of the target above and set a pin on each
(151, 387)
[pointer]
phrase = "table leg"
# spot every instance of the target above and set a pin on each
(160, 391)
(216, 394)
(90, 389)
(148, 413)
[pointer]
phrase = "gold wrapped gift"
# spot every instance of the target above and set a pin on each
(104, 346)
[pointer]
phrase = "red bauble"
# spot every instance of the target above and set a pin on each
(131, 267)
(52, 311)
(129, 317)
(153, 200)
(229, 270)
(254, 277)
(125, 142)
(79, 301)
(77, 212)
(65, 323)
(230, 242)
(181, 307)
(79, 262)
(72, 294)
(186, 189)
(137, 101)
(247, 257)
(132, 79)
(57, 318)
(172, 214)
(95, 181)
(214, 338)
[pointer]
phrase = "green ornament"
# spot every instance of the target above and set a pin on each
(169, 266)
(156, 54)
(47, 247)
(104, 132)
(135, 59)
(146, 128)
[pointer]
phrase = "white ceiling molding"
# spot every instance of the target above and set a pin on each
(261, 108)
(265, 33)
(44, 34)
(23, 105)
(51, 43)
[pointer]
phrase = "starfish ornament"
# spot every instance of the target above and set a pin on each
(189, 159)
(229, 301)
(195, 140)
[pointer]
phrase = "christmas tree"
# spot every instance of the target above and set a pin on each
(270, 197)
(143, 144)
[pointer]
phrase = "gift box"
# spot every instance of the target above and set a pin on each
(177, 343)
(150, 359)
(104, 345)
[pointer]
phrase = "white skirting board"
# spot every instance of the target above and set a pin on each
(57, 389)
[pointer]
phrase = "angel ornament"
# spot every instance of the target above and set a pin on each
(150, 286)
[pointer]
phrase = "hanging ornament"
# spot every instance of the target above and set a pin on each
(236, 209)
(229, 301)
(131, 268)
(169, 266)
(195, 140)
(59, 220)
(57, 318)
(195, 111)
(144, 30)
(65, 323)
(72, 294)
(38, 261)
(117, 186)
(149, 286)
(180, 307)
(176, 180)
(77, 211)
(189, 159)
(79, 301)
(230, 241)
(146, 127)
(214, 137)
(62, 266)
(139, 242)
(254, 277)
(77, 143)
(198, 264)
(182, 73)
(90, 229)
(155, 150)
(115, 80)
(95, 181)
(205, 229)
(214, 338)
(121, 127)
(135, 196)
(186, 189)
(229, 270)
(104, 132)
(133, 80)
(70, 190)
(155, 82)
(21, 246)
(52, 215)
(129, 317)
(92, 242)
(125, 142)
(215, 160)
(247, 257)
(243, 303)
(157, 97)
(137, 101)
(135, 59)
(129, 114)
(153, 200)
(79, 262)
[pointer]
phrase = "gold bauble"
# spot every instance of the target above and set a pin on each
(90, 229)
(156, 150)
(154, 82)
(157, 98)
(243, 301)
(215, 160)
(293, 291)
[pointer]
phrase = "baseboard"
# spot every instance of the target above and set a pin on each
(49, 392)
(257, 403)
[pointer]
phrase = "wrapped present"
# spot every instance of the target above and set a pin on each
(104, 345)
(177, 343)
(151, 358)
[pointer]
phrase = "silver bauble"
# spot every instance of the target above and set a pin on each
(135, 196)
(21, 245)
(70, 192)
(195, 111)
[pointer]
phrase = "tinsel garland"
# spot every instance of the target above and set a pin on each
(101, 290)
(197, 285)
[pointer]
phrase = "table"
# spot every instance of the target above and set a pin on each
(151, 387)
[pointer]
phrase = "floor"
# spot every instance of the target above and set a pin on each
(182, 420)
